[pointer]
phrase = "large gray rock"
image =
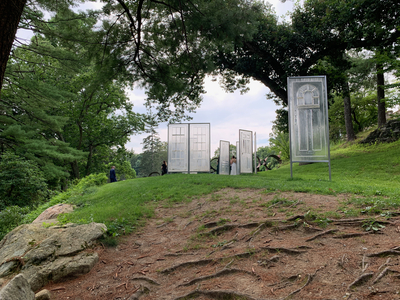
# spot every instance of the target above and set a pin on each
(50, 215)
(43, 295)
(52, 253)
(17, 289)
(39, 276)
(389, 133)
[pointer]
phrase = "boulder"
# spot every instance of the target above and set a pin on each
(52, 253)
(43, 295)
(39, 276)
(52, 213)
(390, 132)
(17, 289)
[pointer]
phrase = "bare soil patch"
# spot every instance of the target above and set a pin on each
(246, 244)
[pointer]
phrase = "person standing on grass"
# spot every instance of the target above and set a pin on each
(233, 165)
(113, 176)
(164, 168)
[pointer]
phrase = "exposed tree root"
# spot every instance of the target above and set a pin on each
(359, 221)
(250, 225)
(351, 235)
(210, 225)
(285, 250)
(188, 264)
(149, 280)
(220, 273)
(385, 264)
(221, 229)
(288, 227)
(296, 217)
(140, 292)
(361, 279)
(322, 234)
(203, 262)
(384, 253)
(178, 254)
(312, 229)
(268, 262)
(310, 277)
(380, 276)
(222, 294)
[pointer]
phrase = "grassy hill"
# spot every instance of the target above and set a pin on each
(370, 173)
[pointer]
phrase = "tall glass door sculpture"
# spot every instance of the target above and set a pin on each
(308, 120)
(246, 151)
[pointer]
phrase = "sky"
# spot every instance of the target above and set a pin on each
(226, 112)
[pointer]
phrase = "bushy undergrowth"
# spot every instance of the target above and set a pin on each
(21, 182)
(10, 218)
(13, 216)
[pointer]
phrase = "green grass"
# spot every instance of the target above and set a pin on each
(372, 172)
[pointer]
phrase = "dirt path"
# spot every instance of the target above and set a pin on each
(231, 245)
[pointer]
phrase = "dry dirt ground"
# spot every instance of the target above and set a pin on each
(246, 244)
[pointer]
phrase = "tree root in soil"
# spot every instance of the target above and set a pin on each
(351, 235)
(221, 229)
(309, 279)
(203, 262)
(285, 250)
(221, 294)
(358, 221)
(192, 263)
(226, 227)
(361, 279)
(384, 253)
(142, 290)
(215, 275)
(321, 234)
(268, 262)
(149, 280)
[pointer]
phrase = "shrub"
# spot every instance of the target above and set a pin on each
(90, 181)
(124, 170)
(21, 182)
(10, 218)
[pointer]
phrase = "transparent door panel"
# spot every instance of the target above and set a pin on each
(178, 147)
(237, 159)
(224, 158)
(199, 148)
(308, 119)
(246, 151)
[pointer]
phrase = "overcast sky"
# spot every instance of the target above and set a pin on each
(226, 112)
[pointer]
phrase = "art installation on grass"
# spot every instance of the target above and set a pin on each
(245, 151)
(308, 120)
(224, 159)
(189, 147)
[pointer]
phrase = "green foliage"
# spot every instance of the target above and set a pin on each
(372, 225)
(21, 182)
(123, 170)
(154, 152)
(10, 218)
(90, 181)
(279, 142)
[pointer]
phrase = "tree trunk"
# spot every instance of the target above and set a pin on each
(10, 14)
(89, 160)
(347, 113)
(75, 169)
(380, 80)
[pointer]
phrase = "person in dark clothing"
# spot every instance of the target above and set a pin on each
(164, 168)
(113, 176)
